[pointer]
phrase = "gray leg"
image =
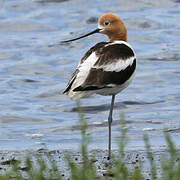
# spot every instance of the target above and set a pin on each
(109, 123)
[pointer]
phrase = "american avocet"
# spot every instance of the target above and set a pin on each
(107, 68)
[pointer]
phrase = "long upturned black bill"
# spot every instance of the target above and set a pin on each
(93, 32)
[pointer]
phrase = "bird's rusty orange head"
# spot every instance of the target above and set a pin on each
(111, 25)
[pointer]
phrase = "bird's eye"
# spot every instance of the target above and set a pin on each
(106, 23)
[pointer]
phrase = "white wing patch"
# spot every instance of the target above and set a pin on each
(85, 67)
(117, 66)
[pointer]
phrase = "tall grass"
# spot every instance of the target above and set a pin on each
(117, 168)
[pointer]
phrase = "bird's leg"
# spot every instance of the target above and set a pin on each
(109, 123)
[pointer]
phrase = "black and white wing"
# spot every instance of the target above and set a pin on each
(106, 70)
(82, 71)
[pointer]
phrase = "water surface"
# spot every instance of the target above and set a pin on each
(34, 70)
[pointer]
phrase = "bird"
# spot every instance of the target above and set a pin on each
(106, 68)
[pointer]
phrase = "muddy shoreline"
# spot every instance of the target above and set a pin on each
(131, 157)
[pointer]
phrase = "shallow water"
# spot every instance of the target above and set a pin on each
(34, 70)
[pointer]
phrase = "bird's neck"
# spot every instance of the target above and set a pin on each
(118, 37)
